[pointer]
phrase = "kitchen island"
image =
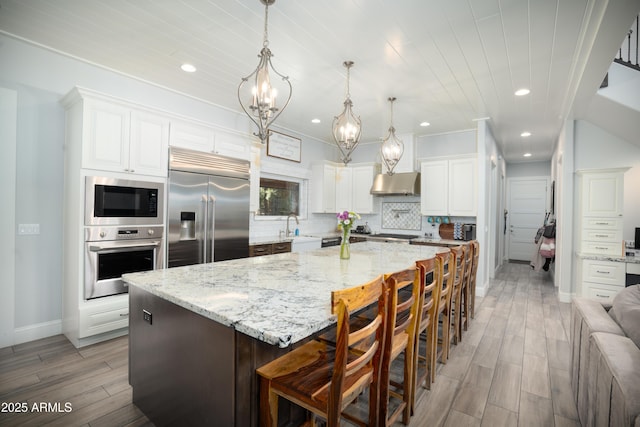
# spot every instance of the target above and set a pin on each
(198, 333)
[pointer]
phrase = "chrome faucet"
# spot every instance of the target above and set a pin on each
(289, 232)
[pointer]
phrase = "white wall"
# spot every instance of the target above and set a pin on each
(490, 162)
(40, 79)
(523, 170)
(8, 143)
(447, 144)
(595, 148)
(566, 227)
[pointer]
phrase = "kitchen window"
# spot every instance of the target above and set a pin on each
(279, 197)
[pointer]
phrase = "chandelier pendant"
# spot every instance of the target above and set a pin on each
(257, 93)
(392, 147)
(347, 127)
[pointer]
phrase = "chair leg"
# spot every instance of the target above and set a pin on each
(268, 405)
(446, 334)
(472, 300)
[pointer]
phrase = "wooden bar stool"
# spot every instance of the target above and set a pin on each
(404, 302)
(325, 379)
(431, 276)
(459, 254)
(443, 313)
(474, 272)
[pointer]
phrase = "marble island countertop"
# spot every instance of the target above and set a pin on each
(279, 299)
(614, 258)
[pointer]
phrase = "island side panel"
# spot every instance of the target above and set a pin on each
(181, 365)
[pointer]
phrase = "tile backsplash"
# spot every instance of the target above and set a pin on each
(401, 216)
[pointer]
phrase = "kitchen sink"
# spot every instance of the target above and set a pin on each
(305, 243)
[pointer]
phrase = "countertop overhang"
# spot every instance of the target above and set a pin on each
(279, 299)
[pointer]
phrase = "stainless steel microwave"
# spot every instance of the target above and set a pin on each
(112, 201)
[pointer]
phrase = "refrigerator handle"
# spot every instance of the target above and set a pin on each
(211, 221)
(205, 230)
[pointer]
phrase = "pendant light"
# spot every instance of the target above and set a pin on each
(260, 103)
(392, 147)
(346, 126)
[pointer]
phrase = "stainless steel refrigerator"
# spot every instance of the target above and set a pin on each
(208, 208)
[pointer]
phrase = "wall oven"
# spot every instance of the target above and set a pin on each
(112, 201)
(111, 252)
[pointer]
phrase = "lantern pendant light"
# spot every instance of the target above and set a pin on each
(260, 102)
(347, 127)
(392, 147)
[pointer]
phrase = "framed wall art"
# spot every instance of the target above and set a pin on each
(284, 146)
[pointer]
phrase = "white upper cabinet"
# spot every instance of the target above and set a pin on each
(434, 187)
(602, 194)
(449, 187)
(148, 149)
(344, 189)
(363, 175)
(323, 188)
(192, 136)
(337, 188)
(463, 200)
(120, 139)
(200, 137)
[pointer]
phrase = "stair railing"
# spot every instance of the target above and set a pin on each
(628, 53)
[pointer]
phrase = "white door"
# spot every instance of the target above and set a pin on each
(526, 212)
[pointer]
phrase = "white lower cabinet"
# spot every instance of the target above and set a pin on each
(100, 316)
(602, 280)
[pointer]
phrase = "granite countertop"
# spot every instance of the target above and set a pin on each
(614, 258)
(268, 240)
(447, 242)
(280, 305)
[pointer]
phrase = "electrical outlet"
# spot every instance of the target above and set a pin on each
(147, 316)
(28, 229)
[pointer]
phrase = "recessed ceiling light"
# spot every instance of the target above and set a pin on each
(522, 92)
(188, 68)
(525, 134)
(425, 124)
(315, 120)
(527, 154)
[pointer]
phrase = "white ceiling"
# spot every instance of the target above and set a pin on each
(447, 62)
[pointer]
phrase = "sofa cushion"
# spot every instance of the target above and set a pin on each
(625, 310)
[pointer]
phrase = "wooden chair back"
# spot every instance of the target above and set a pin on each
(448, 265)
(431, 278)
(358, 351)
(402, 313)
(431, 283)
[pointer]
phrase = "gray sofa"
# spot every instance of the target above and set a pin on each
(605, 360)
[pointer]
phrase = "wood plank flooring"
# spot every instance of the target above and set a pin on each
(510, 369)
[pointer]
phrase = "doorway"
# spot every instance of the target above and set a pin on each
(526, 212)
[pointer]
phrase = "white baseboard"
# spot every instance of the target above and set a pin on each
(565, 296)
(37, 331)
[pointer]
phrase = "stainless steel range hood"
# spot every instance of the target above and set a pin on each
(406, 184)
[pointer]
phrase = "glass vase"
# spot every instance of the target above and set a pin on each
(345, 248)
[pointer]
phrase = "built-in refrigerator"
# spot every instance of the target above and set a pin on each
(208, 208)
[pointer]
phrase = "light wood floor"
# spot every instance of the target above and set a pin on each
(511, 369)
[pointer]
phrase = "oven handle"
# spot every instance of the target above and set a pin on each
(97, 248)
